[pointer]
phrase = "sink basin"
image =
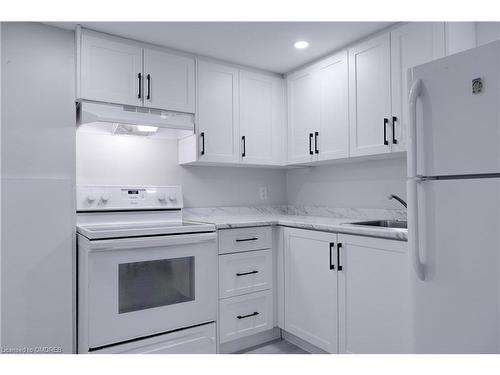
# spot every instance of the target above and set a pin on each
(395, 224)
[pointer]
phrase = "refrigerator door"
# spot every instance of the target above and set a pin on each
(457, 114)
(456, 304)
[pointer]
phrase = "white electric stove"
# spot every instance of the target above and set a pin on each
(145, 277)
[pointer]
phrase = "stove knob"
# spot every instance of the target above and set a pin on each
(161, 197)
(172, 197)
(91, 197)
(104, 197)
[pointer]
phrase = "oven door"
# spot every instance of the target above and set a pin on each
(143, 286)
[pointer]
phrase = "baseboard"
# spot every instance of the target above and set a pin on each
(304, 345)
(250, 341)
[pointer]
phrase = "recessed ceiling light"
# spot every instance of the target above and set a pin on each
(301, 44)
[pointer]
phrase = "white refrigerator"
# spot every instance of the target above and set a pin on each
(453, 191)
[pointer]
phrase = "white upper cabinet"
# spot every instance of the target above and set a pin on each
(332, 80)
(111, 70)
(370, 96)
(310, 286)
(217, 113)
(303, 115)
(459, 36)
(411, 44)
(115, 70)
(262, 119)
(169, 81)
(374, 304)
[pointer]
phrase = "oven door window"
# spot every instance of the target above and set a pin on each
(145, 285)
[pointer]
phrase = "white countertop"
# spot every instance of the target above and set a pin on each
(328, 224)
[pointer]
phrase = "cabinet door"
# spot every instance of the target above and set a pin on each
(333, 134)
(412, 44)
(111, 70)
(370, 96)
(460, 36)
(303, 115)
(311, 287)
(262, 119)
(169, 81)
(217, 112)
(374, 313)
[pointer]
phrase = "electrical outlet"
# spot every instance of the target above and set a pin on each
(263, 193)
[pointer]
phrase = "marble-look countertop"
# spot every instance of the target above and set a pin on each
(239, 218)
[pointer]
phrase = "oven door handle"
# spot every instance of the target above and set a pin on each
(153, 241)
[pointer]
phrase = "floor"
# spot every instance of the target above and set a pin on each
(275, 347)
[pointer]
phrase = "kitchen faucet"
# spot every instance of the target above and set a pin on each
(400, 200)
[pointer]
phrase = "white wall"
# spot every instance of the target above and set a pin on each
(355, 184)
(118, 159)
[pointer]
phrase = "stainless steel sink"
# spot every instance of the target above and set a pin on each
(394, 224)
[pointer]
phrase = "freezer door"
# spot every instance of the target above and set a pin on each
(457, 114)
(455, 307)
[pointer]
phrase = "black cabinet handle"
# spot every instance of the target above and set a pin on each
(394, 140)
(139, 76)
(202, 135)
(386, 121)
(244, 153)
(247, 239)
(332, 249)
(148, 78)
(310, 144)
(246, 273)
(247, 316)
(339, 265)
(316, 134)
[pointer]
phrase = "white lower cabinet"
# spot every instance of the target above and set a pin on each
(311, 287)
(245, 315)
(346, 293)
(246, 275)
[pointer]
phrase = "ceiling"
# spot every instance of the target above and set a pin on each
(263, 45)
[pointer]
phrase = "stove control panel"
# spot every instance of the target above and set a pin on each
(116, 198)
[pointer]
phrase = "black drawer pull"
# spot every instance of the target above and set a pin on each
(139, 77)
(310, 143)
(248, 316)
(339, 264)
(247, 239)
(246, 273)
(316, 135)
(202, 135)
(332, 246)
(148, 78)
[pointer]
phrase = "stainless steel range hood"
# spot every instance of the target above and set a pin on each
(129, 116)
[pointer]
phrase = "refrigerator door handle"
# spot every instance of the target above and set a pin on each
(415, 90)
(413, 237)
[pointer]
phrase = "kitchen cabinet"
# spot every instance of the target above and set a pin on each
(332, 78)
(303, 115)
(310, 287)
(487, 32)
(346, 293)
(115, 70)
(411, 44)
(217, 112)
(370, 96)
(460, 36)
(169, 81)
(318, 111)
(110, 70)
(262, 119)
(373, 287)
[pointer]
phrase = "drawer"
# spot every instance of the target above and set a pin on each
(244, 239)
(195, 340)
(245, 315)
(246, 272)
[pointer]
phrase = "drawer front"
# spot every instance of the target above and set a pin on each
(195, 340)
(244, 239)
(246, 272)
(245, 315)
